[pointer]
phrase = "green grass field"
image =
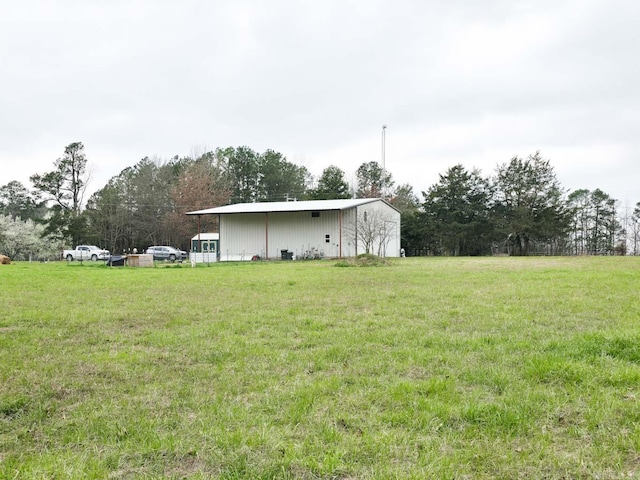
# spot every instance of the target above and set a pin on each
(428, 368)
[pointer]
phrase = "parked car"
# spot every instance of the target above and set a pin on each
(164, 252)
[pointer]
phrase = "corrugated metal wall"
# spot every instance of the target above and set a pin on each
(243, 235)
(392, 218)
(348, 233)
(377, 212)
(304, 234)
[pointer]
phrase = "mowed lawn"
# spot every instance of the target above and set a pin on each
(427, 368)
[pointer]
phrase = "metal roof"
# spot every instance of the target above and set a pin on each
(302, 206)
(206, 236)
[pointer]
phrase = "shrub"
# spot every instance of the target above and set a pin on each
(364, 260)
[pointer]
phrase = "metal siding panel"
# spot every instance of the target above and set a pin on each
(299, 232)
(242, 235)
(393, 246)
(348, 233)
(379, 207)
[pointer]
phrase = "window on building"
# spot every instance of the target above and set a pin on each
(315, 214)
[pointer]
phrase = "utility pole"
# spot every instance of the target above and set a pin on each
(384, 139)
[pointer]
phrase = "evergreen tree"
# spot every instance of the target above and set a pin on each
(17, 202)
(331, 185)
(457, 209)
(373, 181)
(530, 204)
(65, 187)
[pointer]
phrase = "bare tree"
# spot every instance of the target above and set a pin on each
(372, 230)
(635, 229)
(201, 185)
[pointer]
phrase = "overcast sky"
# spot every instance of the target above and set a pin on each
(470, 82)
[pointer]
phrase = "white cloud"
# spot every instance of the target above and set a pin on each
(462, 82)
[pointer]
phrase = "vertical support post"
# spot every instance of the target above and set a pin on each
(340, 236)
(266, 240)
(356, 230)
(199, 247)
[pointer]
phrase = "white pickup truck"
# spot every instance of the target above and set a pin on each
(85, 252)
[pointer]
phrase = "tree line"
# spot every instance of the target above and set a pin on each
(520, 210)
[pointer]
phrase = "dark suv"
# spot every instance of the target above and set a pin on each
(167, 253)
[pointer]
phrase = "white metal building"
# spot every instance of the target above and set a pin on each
(205, 242)
(204, 247)
(307, 229)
